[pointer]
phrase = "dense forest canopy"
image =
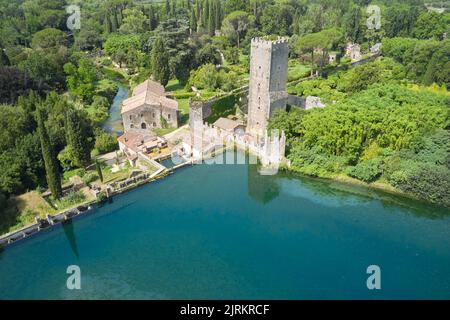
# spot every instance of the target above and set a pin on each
(385, 120)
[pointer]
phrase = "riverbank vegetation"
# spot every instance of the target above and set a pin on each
(375, 128)
(56, 84)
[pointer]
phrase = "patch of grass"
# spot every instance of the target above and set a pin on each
(114, 74)
(109, 176)
(72, 199)
(71, 173)
(163, 131)
(296, 70)
(174, 85)
(183, 105)
(21, 211)
(149, 167)
(223, 108)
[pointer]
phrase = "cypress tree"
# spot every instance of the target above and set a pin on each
(160, 62)
(152, 18)
(193, 20)
(50, 162)
(218, 15)
(211, 20)
(168, 8)
(107, 24)
(99, 170)
(205, 15)
(174, 8)
(76, 139)
(114, 23)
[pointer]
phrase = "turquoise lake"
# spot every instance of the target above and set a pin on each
(225, 232)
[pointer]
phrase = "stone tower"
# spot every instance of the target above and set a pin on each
(267, 85)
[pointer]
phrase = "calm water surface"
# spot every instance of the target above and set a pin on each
(223, 231)
(114, 122)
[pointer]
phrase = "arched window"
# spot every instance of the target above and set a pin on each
(154, 124)
(168, 116)
(143, 125)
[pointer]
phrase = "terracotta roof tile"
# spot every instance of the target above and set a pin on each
(151, 93)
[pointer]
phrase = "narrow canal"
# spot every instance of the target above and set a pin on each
(114, 122)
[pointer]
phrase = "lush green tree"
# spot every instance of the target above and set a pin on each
(13, 124)
(321, 41)
(277, 19)
(15, 83)
(353, 24)
(438, 69)
(89, 37)
(429, 25)
(209, 77)
(49, 40)
(426, 60)
(179, 48)
(399, 20)
(105, 142)
(41, 14)
(235, 24)
(123, 48)
(46, 68)
(51, 164)
(160, 62)
(81, 79)
(236, 5)
(208, 54)
(133, 22)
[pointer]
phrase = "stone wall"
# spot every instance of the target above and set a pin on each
(148, 117)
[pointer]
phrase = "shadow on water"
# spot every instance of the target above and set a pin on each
(266, 188)
(262, 188)
(69, 231)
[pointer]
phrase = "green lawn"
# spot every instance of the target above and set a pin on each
(296, 70)
(163, 131)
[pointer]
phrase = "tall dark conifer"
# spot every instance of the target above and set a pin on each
(50, 162)
(160, 62)
(193, 20)
(77, 140)
(211, 19)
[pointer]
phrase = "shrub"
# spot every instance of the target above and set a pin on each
(89, 178)
(428, 182)
(2, 201)
(107, 88)
(105, 142)
(367, 171)
(101, 197)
